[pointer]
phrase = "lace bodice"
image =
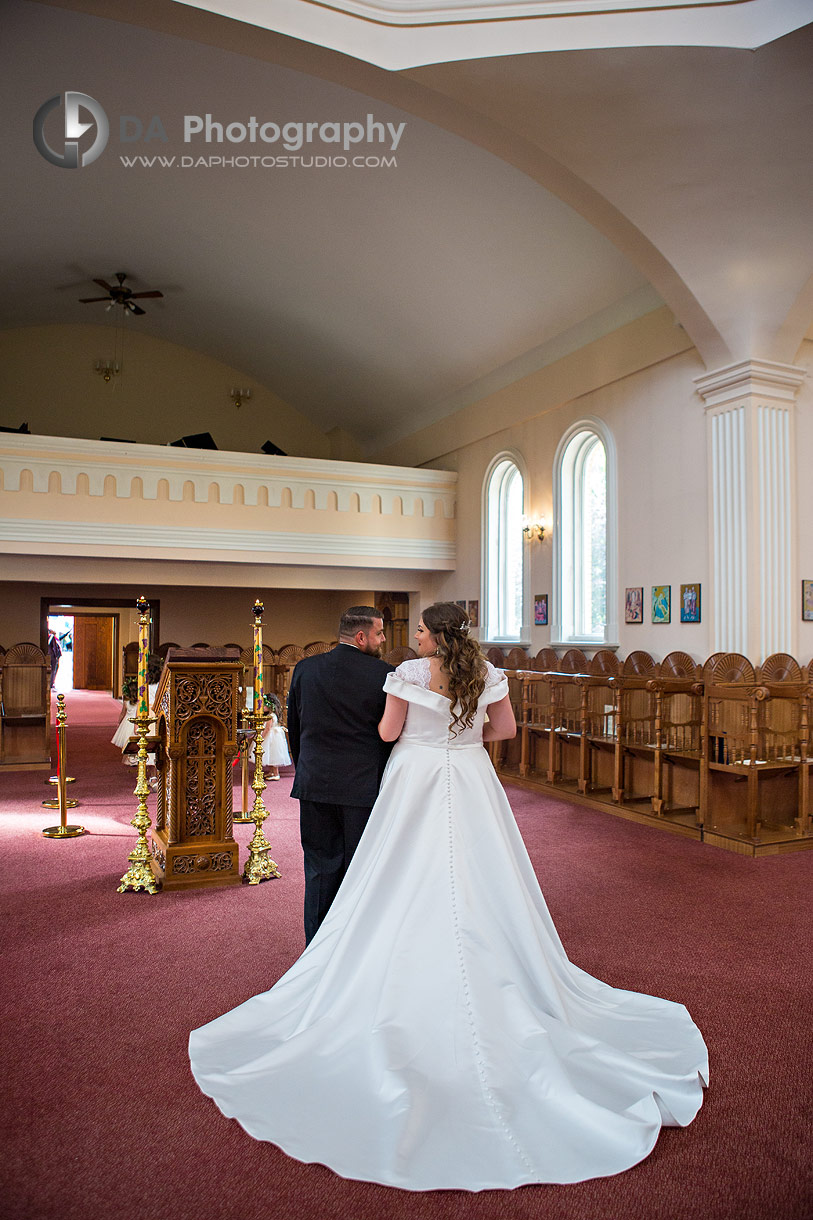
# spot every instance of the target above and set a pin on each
(418, 672)
(428, 720)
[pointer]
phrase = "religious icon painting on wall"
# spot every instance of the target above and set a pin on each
(461, 604)
(474, 613)
(661, 603)
(541, 610)
(634, 605)
(807, 601)
(690, 603)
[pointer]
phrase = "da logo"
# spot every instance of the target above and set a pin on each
(71, 158)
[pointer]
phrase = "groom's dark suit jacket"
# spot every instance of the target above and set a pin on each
(334, 705)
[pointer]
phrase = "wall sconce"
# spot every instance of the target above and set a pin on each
(533, 527)
(239, 396)
(107, 369)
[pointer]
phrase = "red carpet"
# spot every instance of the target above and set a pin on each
(89, 707)
(103, 1119)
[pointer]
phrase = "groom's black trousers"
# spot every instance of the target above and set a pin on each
(330, 834)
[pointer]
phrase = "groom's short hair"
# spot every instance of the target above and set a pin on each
(357, 618)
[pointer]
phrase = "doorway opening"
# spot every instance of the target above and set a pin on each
(89, 646)
(62, 627)
(98, 628)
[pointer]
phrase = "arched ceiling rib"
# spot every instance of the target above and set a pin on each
(398, 34)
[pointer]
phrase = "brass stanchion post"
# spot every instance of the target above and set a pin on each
(54, 803)
(62, 831)
(259, 866)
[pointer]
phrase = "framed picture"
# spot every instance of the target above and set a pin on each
(461, 603)
(541, 610)
(661, 603)
(690, 603)
(807, 601)
(474, 613)
(634, 605)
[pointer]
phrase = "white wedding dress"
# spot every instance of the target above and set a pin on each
(434, 1033)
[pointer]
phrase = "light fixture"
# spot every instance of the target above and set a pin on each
(107, 369)
(239, 396)
(533, 527)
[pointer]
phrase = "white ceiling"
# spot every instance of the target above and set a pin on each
(537, 200)
(404, 33)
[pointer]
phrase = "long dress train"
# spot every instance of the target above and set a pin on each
(434, 1033)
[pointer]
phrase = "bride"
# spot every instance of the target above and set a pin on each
(434, 1034)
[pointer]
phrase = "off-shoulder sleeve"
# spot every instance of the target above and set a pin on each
(410, 691)
(394, 684)
(405, 683)
(496, 686)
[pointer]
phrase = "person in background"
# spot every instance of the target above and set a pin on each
(54, 653)
(275, 743)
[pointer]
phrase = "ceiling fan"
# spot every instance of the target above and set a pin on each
(119, 295)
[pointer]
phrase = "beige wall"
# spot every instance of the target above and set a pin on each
(47, 379)
(658, 425)
(659, 428)
(190, 614)
(646, 341)
(804, 488)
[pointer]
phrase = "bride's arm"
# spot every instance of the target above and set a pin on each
(501, 723)
(392, 721)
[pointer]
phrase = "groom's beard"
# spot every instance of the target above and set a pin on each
(371, 650)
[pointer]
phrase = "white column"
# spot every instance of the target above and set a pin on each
(750, 409)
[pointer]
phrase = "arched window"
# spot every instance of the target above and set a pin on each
(584, 536)
(503, 559)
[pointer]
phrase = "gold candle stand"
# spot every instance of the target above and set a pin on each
(244, 818)
(259, 865)
(62, 831)
(139, 875)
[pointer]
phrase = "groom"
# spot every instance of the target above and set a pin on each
(334, 705)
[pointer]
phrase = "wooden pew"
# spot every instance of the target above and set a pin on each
(25, 709)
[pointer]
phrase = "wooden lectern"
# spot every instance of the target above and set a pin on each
(196, 706)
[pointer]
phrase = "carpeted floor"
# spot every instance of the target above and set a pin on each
(102, 1117)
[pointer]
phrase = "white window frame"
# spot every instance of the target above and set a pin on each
(563, 626)
(524, 637)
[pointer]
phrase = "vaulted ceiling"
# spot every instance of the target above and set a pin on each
(532, 202)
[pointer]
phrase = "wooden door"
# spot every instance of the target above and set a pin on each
(93, 652)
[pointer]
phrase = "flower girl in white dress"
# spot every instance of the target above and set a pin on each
(434, 1033)
(275, 743)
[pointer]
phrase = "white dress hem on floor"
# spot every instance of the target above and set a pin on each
(434, 1034)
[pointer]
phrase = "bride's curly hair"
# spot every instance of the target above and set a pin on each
(460, 656)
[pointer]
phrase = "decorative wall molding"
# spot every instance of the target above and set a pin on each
(442, 12)
(257, 545)
(761, 378)
(401, 489)
(99, 498)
